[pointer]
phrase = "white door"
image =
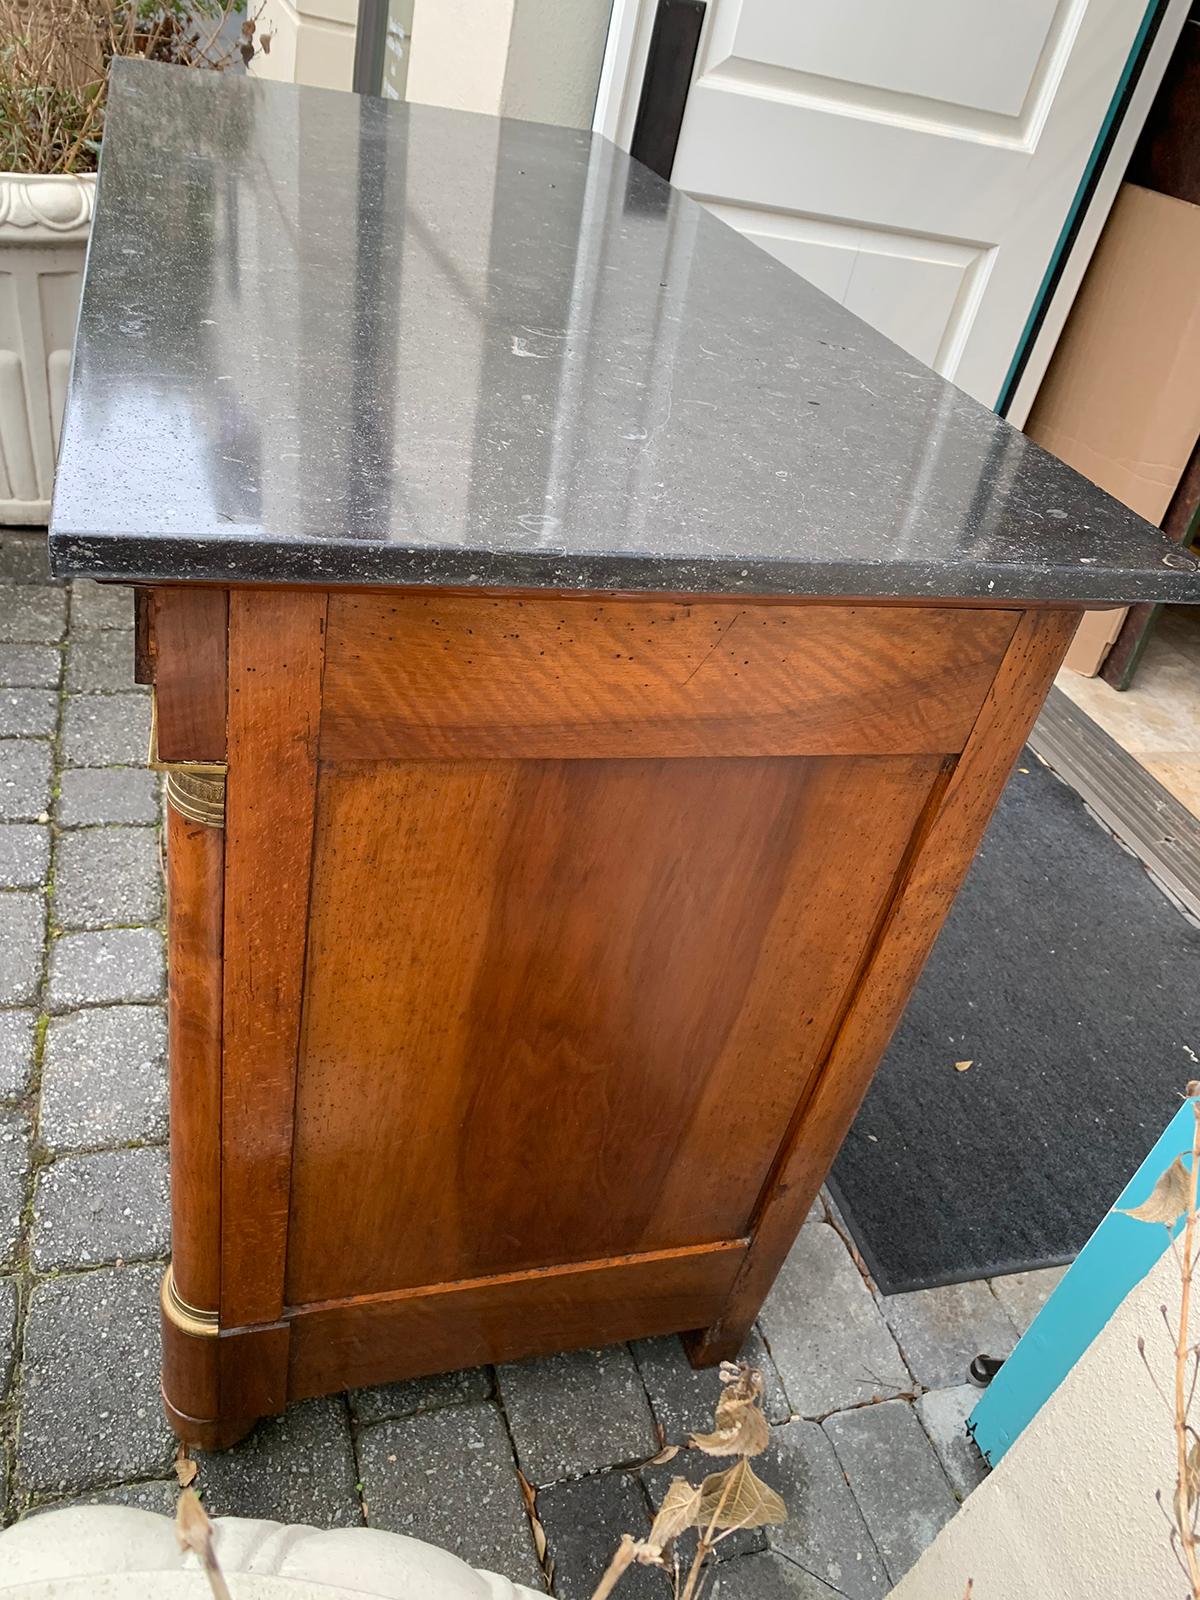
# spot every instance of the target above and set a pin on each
(916, 159)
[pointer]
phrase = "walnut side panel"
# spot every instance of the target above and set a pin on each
(440, 1327)
(276, 651)
(931, 877)
(419, 677)
(564, 1010)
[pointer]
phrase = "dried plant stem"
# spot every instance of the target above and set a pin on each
(194, 1532)
(622, 1558)
(1184, 1497)
(705, 1543)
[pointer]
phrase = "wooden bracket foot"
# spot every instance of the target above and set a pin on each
(708, 1347)
(216, 1382)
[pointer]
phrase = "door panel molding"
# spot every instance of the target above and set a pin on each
(1018, 130)
(905, 51)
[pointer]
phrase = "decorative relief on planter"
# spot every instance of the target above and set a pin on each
(44, 224)
(45, 209)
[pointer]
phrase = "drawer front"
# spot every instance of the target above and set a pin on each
(416, 678)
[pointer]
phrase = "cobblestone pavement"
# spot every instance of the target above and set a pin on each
(866, 1395)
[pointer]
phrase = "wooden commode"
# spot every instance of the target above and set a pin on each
(585, 661)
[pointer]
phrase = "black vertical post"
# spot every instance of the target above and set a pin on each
(669, 63)
(370, 42)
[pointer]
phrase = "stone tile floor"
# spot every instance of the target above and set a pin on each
(866, 1395)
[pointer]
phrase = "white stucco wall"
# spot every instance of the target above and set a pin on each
(1069, 1513)
(537, 59)
(312, 42)
(555, 53)
(460, 53)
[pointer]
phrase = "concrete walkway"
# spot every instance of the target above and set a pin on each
(866, 1395)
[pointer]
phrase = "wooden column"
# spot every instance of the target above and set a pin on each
(186, 643)
(239, 678)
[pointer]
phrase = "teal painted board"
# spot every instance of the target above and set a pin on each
(1119, 1254)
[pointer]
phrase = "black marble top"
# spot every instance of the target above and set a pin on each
(329, 339)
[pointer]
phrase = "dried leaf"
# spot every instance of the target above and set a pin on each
(738, 1498)
(667, 1453)
(963, 1066)
(649, 1555)
(185, 1468)
(195, 1532)
(539, 1538)
(680, 1509)
(739, 1381)
(529, 1495)
(742, 1431)
(1193, 1473)
(1168, 1199)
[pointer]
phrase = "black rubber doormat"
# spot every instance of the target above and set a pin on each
(1043, 1052)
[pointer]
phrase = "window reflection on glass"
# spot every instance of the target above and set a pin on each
(395, 50)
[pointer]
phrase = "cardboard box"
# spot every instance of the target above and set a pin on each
(1120, 401)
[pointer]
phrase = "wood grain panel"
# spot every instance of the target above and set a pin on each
(434, 1329)
(937, 864)
(276, 647)
(416, 677)
(188, 631)
(564, 1010)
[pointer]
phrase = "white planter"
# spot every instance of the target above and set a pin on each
(44, 225)
(118, 1553)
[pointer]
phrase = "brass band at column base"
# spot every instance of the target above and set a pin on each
(188, 1319)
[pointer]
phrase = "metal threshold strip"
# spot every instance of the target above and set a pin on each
(1149, 821)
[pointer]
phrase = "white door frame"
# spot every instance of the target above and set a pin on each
(630, 26)
(1092, 222)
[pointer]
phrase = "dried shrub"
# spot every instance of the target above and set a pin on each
(717, 1507)
(55, 56)
(1175, 1196)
